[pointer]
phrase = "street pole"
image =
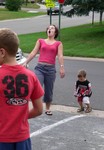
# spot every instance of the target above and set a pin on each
(50, 15)
(59, 20)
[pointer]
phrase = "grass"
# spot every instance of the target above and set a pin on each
(5, 14)
(30, 5)
(86, 41)
(82, 41)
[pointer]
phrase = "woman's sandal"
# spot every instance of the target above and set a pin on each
(88, 110)
(48, 112)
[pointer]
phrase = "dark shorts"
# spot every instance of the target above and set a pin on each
(23, 145)
(46, 75)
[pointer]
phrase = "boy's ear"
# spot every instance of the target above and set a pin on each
(2, 52)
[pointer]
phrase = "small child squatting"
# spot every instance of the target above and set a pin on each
(83, 92)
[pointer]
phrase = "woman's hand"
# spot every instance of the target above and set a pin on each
(25, 64)
(62, 72)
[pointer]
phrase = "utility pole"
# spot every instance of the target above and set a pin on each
(60, 5)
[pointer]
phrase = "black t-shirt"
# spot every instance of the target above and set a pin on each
(83, 88)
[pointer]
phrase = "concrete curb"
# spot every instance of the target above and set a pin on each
(77, 58)
(73, 110)
(84, 59)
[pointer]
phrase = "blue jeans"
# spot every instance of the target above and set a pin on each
(23, 145)
(46, 75)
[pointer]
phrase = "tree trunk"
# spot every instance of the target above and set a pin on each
(101, 17)
(92, 17)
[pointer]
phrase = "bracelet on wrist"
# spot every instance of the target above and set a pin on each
(61, 65)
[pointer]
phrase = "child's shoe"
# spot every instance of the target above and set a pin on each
(88, 110)
(80, 109)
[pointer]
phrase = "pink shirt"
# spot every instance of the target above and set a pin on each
(48, 52)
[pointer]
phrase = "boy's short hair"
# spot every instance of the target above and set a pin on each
(9, 41)
(82, 73)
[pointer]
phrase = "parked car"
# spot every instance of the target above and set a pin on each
(55, 9)
(2, 2)
(20, 58)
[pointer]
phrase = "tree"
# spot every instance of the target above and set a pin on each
(83, 7)
(101, 9)
(13, 5)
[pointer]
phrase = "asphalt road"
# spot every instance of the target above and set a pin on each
(37, 24)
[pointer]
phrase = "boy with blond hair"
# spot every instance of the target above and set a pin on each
(18, 86)
(83, 91)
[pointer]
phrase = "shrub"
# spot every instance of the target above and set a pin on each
(13, 5)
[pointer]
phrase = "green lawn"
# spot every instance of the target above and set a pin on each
(5, 14)
(30, 5)
(83, 41)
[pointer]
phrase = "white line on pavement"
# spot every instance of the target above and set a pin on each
(49, 127)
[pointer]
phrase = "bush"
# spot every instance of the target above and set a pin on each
(13, 5)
